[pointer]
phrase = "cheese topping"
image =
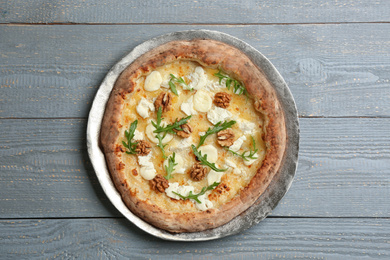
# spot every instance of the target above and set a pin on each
(202, 101)
(237, 144)
(211, 152)
(218, 114)
(153, 81)
(188, 107)
(143, 108)
(198, 79)
(195, 101)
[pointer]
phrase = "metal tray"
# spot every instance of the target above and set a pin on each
(267, 201)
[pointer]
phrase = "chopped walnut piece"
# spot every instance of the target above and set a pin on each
(222, 99)
(164, 101)
(186, 132)
(225, 137)
(143, 147)
(159, 183)
(198, 172)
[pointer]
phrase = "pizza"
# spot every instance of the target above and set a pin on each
(193, 133)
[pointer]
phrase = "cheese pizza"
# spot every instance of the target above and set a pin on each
(193, 134)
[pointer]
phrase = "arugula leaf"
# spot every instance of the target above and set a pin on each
(171, 166)
(160, 136)
(203, 160)
(178, 80)
(237, 87)
(129, 136)
(218, 127)
(195, 196)
(251, 154)
(176, 125)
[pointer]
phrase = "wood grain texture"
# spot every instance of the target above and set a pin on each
(344, 170)
(332, 70)
(187, 11)
(285, 238)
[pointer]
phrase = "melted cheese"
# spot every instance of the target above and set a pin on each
(240, 108)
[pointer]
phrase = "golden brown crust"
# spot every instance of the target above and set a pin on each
(213, 54)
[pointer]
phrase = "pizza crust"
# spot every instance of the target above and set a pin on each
(209, 53)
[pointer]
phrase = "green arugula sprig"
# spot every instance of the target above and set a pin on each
(218, 127)
(203, 160)
(171, 166)
(238, 88)
(179, 80)
(169, 128)
(129, 136)
(195, 196)
(162, 131)
(251, 154)
(160, 136)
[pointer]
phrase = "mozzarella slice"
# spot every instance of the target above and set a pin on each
(182, 190)
(143, 107)
(148, 173)
(198, 79)
(204, 204)
(246, 126)
(211, 151)
(153, 81)
(188, 107)
(218, 114)
(152, 136)
(138, 135)
(179, 168)
(233, 166)
(214, 176)
(202, 101)
(237, 144)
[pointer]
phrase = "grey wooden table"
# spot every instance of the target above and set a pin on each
(334, 55)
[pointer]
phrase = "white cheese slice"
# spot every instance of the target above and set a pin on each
(153, 81)
(205, 203)
(143, 107)
(246, 126)
(179, 168)
(202, 101)
(188, 107)
(233, 166)
(237, 144)
(147, 170)
(198, 79)
(138, 135)
(214, 176)
(211, 151)
(181, 145)
(152, 136)
(148, 173)
(218, 114)
(181, 189)
(145, 160)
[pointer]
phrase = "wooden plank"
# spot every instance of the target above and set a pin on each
(201, 11)
(344, 170)
(332, 70)
(286, 238)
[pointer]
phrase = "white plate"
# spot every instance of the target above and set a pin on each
(267, 201)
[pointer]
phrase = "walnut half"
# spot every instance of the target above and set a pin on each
(198, 172)
(164, 100)
(143, 147)
(159, 183)
(225, 137)
(186, 132)
(222, 99)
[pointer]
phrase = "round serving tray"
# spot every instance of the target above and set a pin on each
(267, 201)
